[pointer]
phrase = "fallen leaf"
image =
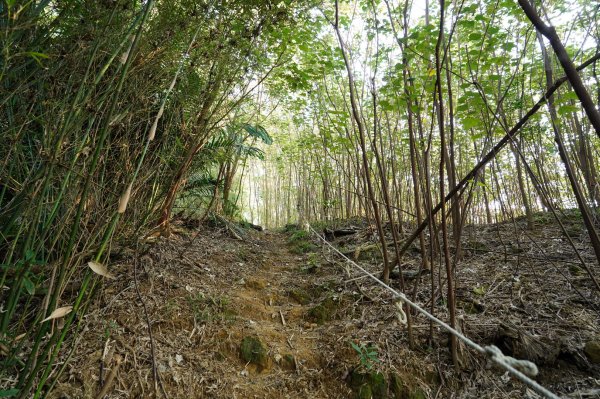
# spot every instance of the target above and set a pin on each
(100, 269)
(58, 313)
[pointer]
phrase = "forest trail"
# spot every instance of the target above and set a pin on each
(236, 313)
(272, 305)
(209, 300)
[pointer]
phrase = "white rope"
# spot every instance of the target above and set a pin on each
(518, 368)
(402, 318)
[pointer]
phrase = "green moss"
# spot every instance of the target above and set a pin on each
(471, 307)
(543, 217)
(477, 245)
(302, 247)
(368, 385)
(299, 295)
(417, 393)
(300, 242)
(576, 270)
(322, 312)
(253, 351)
(364, 392)
(299, 235)
(432, 377)
(592, 349)
(397, 388)
(256, 283)
(515, 249)
(208, 309)
(243, 255)
(288, 228)
(288, 362)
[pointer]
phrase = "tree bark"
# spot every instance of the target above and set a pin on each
(570, 71)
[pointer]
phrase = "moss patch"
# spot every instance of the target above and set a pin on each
(368, 385)
(397, 388)
(478, 245)
(299, 295)
(288, 362)
(417, 393)
(302, 247)
(208, 309)
(592, 349)
(300, 242)
(323, 312)
(253, 351)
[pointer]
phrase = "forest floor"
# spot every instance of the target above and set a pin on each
(251, 314)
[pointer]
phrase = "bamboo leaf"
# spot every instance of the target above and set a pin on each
(100, 269)
(58, 313)
(258, 132)
(38, 57)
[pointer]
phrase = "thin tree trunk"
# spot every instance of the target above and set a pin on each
(570, 71)
(440, 112)
(361, 131)
(589, 223)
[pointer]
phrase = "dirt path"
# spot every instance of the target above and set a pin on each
(210, 302)
(274, 305)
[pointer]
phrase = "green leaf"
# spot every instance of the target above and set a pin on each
(470, 122)
(38, 57)
(508, 46)
(258, 132)
(569, 96)
(9, 393)
(567, 109)
(385, 105)
(468, 24)
(462, 107)
(29, 255)
(29, 286)
(475, 36)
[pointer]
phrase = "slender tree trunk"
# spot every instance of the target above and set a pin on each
(363, 145)
(563, 57)
(440, 113)
(589, 223)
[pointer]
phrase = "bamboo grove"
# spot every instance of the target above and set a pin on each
(107, 107)
(116, 116)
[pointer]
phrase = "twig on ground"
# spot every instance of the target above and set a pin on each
(155, 374)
